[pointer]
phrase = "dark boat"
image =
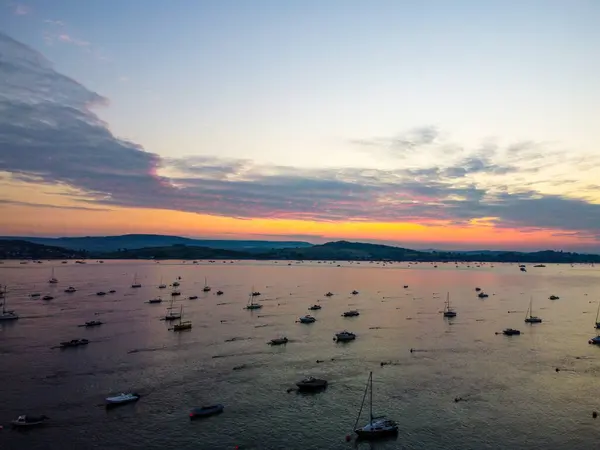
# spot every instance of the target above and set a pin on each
(206, 411)
(482, 295)
(101, 293)
(193, 297)
(315, 307)
(352, 313)
(329, 294)
(93, 323)
(112, 291)
(311, 384)
(155, 300)
(47, 297)
(255, 294)
(219, 292)
(279, 341)
(594, 340)
(377, 427)
(477, 289)
(511, 332)
(355, 292)
(74, 343)
(29, 421)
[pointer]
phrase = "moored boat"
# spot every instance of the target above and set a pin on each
(352, 313)
(311, 384)
(122, 399)
(93, 323)
(6, 315)
(315, 307)
(29, 421)
(206, 411)
(70, 290)
(377, 427)
(74, 343)
(511, 332)
(594, 340)
(155, 300)
(344, 336)
(307, 319)
(529, 317)
(278, 341)
(448, 311)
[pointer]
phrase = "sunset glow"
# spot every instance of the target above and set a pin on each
(262, 130)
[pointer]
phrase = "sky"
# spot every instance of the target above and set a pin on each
(430, 124)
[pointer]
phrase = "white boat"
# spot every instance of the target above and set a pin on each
(448, 311)
(7, 315)
(529, 317)
(52, 279)
(122, 399)
(377, 427)
(345, 336)
(29, 421)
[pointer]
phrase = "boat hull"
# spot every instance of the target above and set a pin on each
(200, 413)
(375, 434)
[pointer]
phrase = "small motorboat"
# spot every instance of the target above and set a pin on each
(344, 336)
(279, 341)
(256, 293)
(155, 300)
(175, 283)
(175, 293)
(93, 323)
(315, 307)
(477, 289)
(594, 340)
(523, 269)
(100, 293)
(329, 294)
(112, 291)
(206, 411)
(354, 292)
(307, 319)
(482, 295)
(29, 421)
(122, 399)
(74, 343)
(35, 295)
(511, 332)
(311, 384)
(192, 297)
(47, 297)
(162, 286)
(352, 313)
(219, 292)
(406, 286)
(70, 290)
(554, 297)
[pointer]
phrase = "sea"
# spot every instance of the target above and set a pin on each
(534, 391)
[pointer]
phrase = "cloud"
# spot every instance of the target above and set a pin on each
(58, 23)
(21, 10)
(402, 143)
(49, 133)
(71, 40)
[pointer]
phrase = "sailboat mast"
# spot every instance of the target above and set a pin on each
(362, 404)
(371, 399)
(4, 301)
(598, 312)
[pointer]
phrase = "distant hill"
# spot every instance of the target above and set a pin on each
(28, 250)
(137, 241)
(331, 251)
(176, 252)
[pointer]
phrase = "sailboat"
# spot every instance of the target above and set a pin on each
(529, 318)
(448, 311)
(52, 279)
(378, 426)
(170, 314)
(182, 325)
(597, 312)
(136, 283)
(251, 304)
(162, 285)
(206, 286)
(7, 315)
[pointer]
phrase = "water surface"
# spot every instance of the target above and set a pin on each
(514, 398)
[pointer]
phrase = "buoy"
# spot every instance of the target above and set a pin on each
(348, 438)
